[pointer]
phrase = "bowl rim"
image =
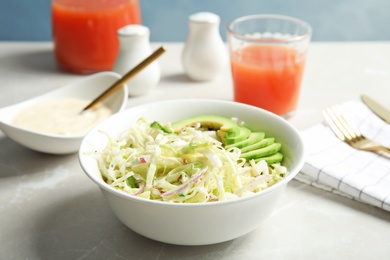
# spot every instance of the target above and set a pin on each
(56, 93)
(102, 185)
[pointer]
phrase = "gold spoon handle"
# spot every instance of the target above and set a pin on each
(119, 83)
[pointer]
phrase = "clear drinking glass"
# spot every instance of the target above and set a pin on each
(267, 55)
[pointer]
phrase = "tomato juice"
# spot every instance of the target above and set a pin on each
(268, 76)
(85, 32)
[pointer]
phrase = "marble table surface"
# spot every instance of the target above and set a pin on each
(50, 210)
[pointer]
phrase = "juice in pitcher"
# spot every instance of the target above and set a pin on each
(85, 32)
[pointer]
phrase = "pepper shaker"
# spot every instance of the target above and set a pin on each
(134, 46)
(204, 54)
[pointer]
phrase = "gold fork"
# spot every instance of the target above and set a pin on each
(348, 133)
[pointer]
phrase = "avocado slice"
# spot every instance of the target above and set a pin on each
(271, 159)
(223, 125)
(262, 143)
(253, 137)
(207, 121)
(243, 134)
(262, 152)
(253, 145)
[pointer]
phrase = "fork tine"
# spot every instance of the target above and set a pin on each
(353, 132)
(348, 133)
(339, 122)
(334, 115)
(329, 119)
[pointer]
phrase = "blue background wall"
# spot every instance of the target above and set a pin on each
(332, 20)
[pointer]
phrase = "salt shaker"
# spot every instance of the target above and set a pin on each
(204, 54)
(134, 46)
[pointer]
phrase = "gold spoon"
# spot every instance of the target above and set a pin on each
(119, 83)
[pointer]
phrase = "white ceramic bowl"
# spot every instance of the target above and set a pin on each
(88, 88)
(194, 224)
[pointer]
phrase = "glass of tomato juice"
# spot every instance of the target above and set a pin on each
(85, 32)
(267, 56)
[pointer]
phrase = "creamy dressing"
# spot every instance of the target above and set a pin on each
(61, 116)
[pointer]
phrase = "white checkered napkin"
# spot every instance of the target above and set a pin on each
(335, 166)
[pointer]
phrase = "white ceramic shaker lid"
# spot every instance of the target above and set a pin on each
(135, 47)
(204, 17)
(133, 30)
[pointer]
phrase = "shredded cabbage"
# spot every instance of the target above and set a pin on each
(187, 167)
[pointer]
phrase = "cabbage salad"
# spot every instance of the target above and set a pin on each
(152, 162)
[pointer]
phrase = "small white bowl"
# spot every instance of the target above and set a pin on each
(88, 88)
(202, 223)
